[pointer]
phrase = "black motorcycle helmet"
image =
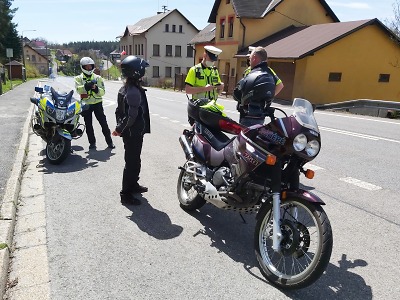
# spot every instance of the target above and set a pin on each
(133, 67)
(256, 87)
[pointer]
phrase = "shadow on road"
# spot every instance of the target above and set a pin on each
(75, 161)
(230, 235)
(154, 222)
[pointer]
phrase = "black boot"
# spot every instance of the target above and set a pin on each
(128, 198)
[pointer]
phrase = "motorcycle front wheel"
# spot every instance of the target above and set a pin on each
(305, 247)
(189, 198)
(58, 150)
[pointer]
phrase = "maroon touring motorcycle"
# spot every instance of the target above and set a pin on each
(258, 170)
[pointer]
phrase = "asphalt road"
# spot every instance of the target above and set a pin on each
(14, 109)
(99, 249)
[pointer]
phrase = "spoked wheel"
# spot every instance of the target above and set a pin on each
(306, 244)
(188, 197)
(58, 150)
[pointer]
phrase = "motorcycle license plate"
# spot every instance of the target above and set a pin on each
(60, 114)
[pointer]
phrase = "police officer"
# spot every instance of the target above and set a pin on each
(257, 89)
(133, 121)
(202, 80)
(92, 86)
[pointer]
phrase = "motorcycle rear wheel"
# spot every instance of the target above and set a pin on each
(57, 151)
(188, 197)
(306, 244)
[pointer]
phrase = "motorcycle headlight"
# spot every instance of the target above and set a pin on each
(300, 142)
(312, 148)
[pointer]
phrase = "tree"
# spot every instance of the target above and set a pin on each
(7, 29)
(394, 24)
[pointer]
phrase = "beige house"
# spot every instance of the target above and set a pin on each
(316, 56)
(36, 59)
(163, 41)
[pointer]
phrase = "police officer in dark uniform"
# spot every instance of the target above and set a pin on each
(133, 121)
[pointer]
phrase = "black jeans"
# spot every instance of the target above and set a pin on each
(133, 149)
(98, 111)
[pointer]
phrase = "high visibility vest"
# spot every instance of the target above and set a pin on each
(93, 97)
(200, 76)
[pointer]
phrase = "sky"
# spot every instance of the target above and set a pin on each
(64, 21)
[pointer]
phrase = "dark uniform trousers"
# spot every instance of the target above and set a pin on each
(133, 148)
(98, 111)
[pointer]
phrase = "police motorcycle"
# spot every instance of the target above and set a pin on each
(55, 119)
(257, 170)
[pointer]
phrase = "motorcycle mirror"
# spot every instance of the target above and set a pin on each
(39, 89)
(34, 100)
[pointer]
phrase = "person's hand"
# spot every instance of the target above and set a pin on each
(115, 133)
(89, 85)
(209, 87)
(220, 87)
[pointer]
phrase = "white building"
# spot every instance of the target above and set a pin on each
(163, 41)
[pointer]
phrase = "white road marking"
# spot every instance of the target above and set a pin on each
(175, 121)
(362, 184)
(364, 136)
(312, 167)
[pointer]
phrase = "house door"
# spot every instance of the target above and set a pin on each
(285, 71)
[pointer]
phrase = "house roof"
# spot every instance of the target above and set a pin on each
(14, 63)
(39, 51)
(145, 24)
(298, 42)
(204, 36)
(256, 9)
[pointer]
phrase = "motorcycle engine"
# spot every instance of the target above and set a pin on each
(222, 177)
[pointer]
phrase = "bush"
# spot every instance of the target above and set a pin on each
(165, 83)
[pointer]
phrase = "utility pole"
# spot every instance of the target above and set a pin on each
(23, 52)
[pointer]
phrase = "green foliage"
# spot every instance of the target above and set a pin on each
(112, 74)
(8, 33)
(165, 83)
(84, 47)
(31, 71)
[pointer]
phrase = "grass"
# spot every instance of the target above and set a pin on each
(6, 87)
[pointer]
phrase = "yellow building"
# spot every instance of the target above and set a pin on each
(316, 56)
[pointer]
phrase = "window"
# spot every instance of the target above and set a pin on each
(384, 77)
(173, 28)
(136, 51)
(156, 50)
(189, 51)
(178, 51)
(335, 77)
(187, 69)
(168, 72)
(222, 26)
(230, 27)
(177, 70)
(166, 27)
(180, 29)
(228, 1)
(130, 49)
(156, 71)
(168, 50)
(33, 58)
(141, 49)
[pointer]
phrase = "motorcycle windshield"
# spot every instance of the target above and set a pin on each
(304, 114)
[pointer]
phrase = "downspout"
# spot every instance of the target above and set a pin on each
(244, 32)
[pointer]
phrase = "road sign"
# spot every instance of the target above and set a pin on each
(9, 52)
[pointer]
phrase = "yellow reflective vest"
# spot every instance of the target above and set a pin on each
(93, 97)
(199, 75)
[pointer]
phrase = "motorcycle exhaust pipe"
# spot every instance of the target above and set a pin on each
(186, 147)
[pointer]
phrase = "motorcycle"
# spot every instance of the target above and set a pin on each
(55, 119)
(257, 170)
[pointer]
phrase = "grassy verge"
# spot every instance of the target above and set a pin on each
(6, 87)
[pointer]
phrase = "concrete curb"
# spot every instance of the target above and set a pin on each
(9, 204)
